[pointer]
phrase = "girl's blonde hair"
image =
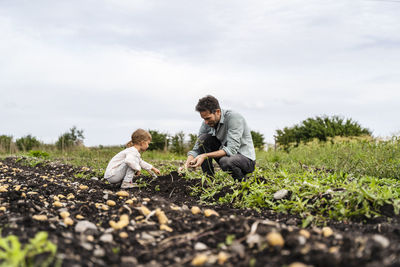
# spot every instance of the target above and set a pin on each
(139, 136)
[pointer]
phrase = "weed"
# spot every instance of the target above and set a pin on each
(12, 253)
(38, 154)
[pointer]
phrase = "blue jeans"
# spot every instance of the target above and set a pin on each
(237, 165)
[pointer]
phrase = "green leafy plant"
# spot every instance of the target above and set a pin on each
(13, 253)
(38, 154)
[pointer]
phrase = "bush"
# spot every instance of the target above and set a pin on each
(39, 154)
(70, 139)
(192, 140)
(159, 140)
(5, 142)
(178, 143)
(319, 128)
(258, 139)
(26, 143)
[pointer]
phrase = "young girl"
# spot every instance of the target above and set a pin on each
(128, 163)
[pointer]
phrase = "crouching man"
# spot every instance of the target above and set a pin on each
(225, 137)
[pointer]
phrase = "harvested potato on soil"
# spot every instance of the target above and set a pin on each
(275, 239)
(40, 217)
(162, 218)
(195, 210)
(111, 203)
(199, 260)
(210, 212)
(122, 194)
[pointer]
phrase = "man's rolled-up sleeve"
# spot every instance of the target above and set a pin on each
(195, 150)
(233, 140)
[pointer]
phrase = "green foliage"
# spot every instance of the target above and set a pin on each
(357, 156)
(159, 140)
(178, 143)
(70, 139)
(344, 178)
(192, 140)
(320, 128)
(13, 254)
(26, 143)
(5, 142)
(258, 139)
(38, 154)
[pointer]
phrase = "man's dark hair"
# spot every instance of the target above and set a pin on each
(207, 103)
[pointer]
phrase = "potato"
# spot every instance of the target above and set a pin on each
(68, 221)
(64, 214)
(39, 217)
(327, 231)
(199, 260)
(275, 239)
(162, 218)
(165, 227)
(57, 204)
(122, 194)
(195, 210)
(210, 212)
(144, 210)
(111, 203)
(83, 187)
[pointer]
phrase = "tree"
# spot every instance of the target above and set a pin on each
(5, 142)
(192, 140)
(26, 143)
(70, 139)
(258, 139)
(320, 128)
(178, 143)
(159, 141)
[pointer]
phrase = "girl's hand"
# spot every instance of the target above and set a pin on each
(157, 171)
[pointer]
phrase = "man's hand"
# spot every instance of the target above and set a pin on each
(198, 161)
(188, 163)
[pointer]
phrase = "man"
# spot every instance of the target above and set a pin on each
(225, 137)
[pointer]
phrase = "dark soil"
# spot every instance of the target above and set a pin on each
(239, 234)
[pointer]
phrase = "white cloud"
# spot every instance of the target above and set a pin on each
(107, 65)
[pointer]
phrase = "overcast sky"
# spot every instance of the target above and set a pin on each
(112, 66)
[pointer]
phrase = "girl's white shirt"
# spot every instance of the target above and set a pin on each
(129, 156)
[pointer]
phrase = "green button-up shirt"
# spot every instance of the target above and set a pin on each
(233, 133)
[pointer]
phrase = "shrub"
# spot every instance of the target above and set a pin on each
(70, 139)
(320, 128)
(26, 143)
(258, 139)
(39, 154)
(192, 140)
(5, 142)
(178, 143)
(159, 140)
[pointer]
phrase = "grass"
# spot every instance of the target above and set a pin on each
(342, 179)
